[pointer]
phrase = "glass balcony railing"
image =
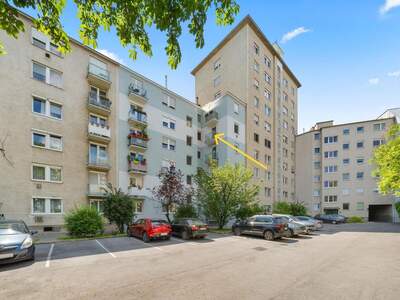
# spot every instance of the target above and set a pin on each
(137, 141)
(137, 90)
(138, 116)
(99, 101)
(102, 162)
(137, 166)
(98, 71)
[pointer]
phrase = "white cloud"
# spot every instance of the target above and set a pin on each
(374, 81)
(394, 74)
(111, 55)
(292, 34)
(389, 5)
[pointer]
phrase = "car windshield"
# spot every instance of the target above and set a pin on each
(158, 222)
(12, 228)
(194, 222)
(280, 220)
(302, 218)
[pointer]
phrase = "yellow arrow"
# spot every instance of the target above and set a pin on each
(218, 137)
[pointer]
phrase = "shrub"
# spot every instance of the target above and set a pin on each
(290, 208)
(397, 205)
(281, 207)
(248, 211)
(355, 219)
(84, 222)
(186, 211)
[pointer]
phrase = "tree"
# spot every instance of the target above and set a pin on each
(249, 210)
(223, 191)
(289, 208)
(131, 20)
(186, 210)
(387, 160)
(171, 191)
(118, 207)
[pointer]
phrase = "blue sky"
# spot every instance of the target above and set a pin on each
(346, 53)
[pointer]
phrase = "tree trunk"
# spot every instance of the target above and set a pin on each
(167, 215)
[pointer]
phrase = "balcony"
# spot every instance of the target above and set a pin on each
(137, 142)
(96, 190)
(210, 141)
(211, 118)
(99, 163)
(137, 94)
(99, 104)
(99, 133)
(137, 118)
(137, 167)
(98, 76)
(138, 191)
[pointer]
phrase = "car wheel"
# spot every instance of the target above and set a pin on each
(128, 233)
(145, 238)
(237, 231)
(185, 235)
(291, 233)
(268, 235)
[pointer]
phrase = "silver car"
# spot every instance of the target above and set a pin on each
(317, 223)
(294, 228)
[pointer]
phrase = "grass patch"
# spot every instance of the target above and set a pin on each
(355, 219)
(97, 236)
(220, 231)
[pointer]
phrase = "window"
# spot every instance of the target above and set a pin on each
(317, 165)
(285, 125)
(267, 143)
(316, 193)
(235, 108)
(267, 95)
(169, 101)
(360, 129)
(285, 110)
(189, 179)
(256, 49)
(330, 169)
(46, 74)
(256, 101)
(330, 154)
(168, 123)
(285, 152)
(267, 159)
(267, 78)
(256, 172)
(46, 206)
(256, 154)
(346, 146)
(39, 106)
(317, 150)
(267, 126)
(199, 118)
(48, 141)
(236, 128)
(346, 161)
(267, 61)
(346, 176)
(378, 142)
(317, 136)
(360, 190)
(256, 66)
(379, 126)
(217, 64)
(285, 82)
(39, 72)
(46, 173)
(168, 143)
(267, 110)
(360, 144)
(256, 84)
(331, 198)
(138, 206)
(360, 206)
(188, 160)
(360, 175)
(38, 43)
(360, 161)
(198, 154)
(217, 80)
(346, 131)
(42, 41)
(346, 206)
(317, 178)
(330, 139)
(189, 121)
(256, 137)
(330, 183)
(199, 135)
(46, 108)
(267, 192)
(256, 119)
(345, 192)
(188, 140)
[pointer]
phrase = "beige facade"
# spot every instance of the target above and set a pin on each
(247, 65)
(334, 172)
(46, 123)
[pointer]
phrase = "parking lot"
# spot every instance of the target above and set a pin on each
(346, 261)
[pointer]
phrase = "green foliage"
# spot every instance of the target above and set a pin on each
(223, 191)
(186, 211)
(289, 208)
(387, 161)
(249, 210)
(118, 207)
(131, 20)
(355, 219)
(397, 206)
(84, 222)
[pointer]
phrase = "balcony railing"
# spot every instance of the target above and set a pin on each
(96, 189)
(99, 72)
(100, 162)
(138, 116)
(99, 101)
(137, 166)
(211, 116)
(136, 90)
(136, 141)
(99, 130)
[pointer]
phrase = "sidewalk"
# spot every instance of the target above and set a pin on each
(48, 237)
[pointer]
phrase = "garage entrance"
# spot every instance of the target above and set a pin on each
(380, 213)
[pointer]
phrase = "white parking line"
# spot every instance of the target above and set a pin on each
(49, 256)
(109, 252)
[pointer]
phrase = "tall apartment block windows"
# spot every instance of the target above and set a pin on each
(256, 66)
(330, 154)
(256, 84)
(267, 110)
(189, 179)
(235, 108)
(346, 131)
(267, 126)
(217, 80)
(256, 101)
(379, 127)
(267, 61)
(360, 175)
(199, 135)
(360, 129)
(360, 144)
(46, 108)
(317, 136)
(330, 169)
(98, 155)
(346, 161)
(331, 198)
(267, 143)
(169, 101)
(47, 75)
(217, 64)
(47, 141)
(330, 183)
(236, 128)
(189, 121)
(256, 119)
(285, 110)
(378, 142)
(256, 49)
(267, 95)
(346, 146)
(168, 123)
(168, 143)
(267, 78)
(188, 140)
(46, 173)
(256, 137)
(188, 160)
(346, 176)
(330, 139)
(46, 206)
(42, 41)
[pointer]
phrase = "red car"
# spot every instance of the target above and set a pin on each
(148, 229)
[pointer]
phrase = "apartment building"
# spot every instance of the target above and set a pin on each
(246, 65)
(334, 172)
(57, 122)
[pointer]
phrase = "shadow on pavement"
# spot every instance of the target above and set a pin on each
(360, 227)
